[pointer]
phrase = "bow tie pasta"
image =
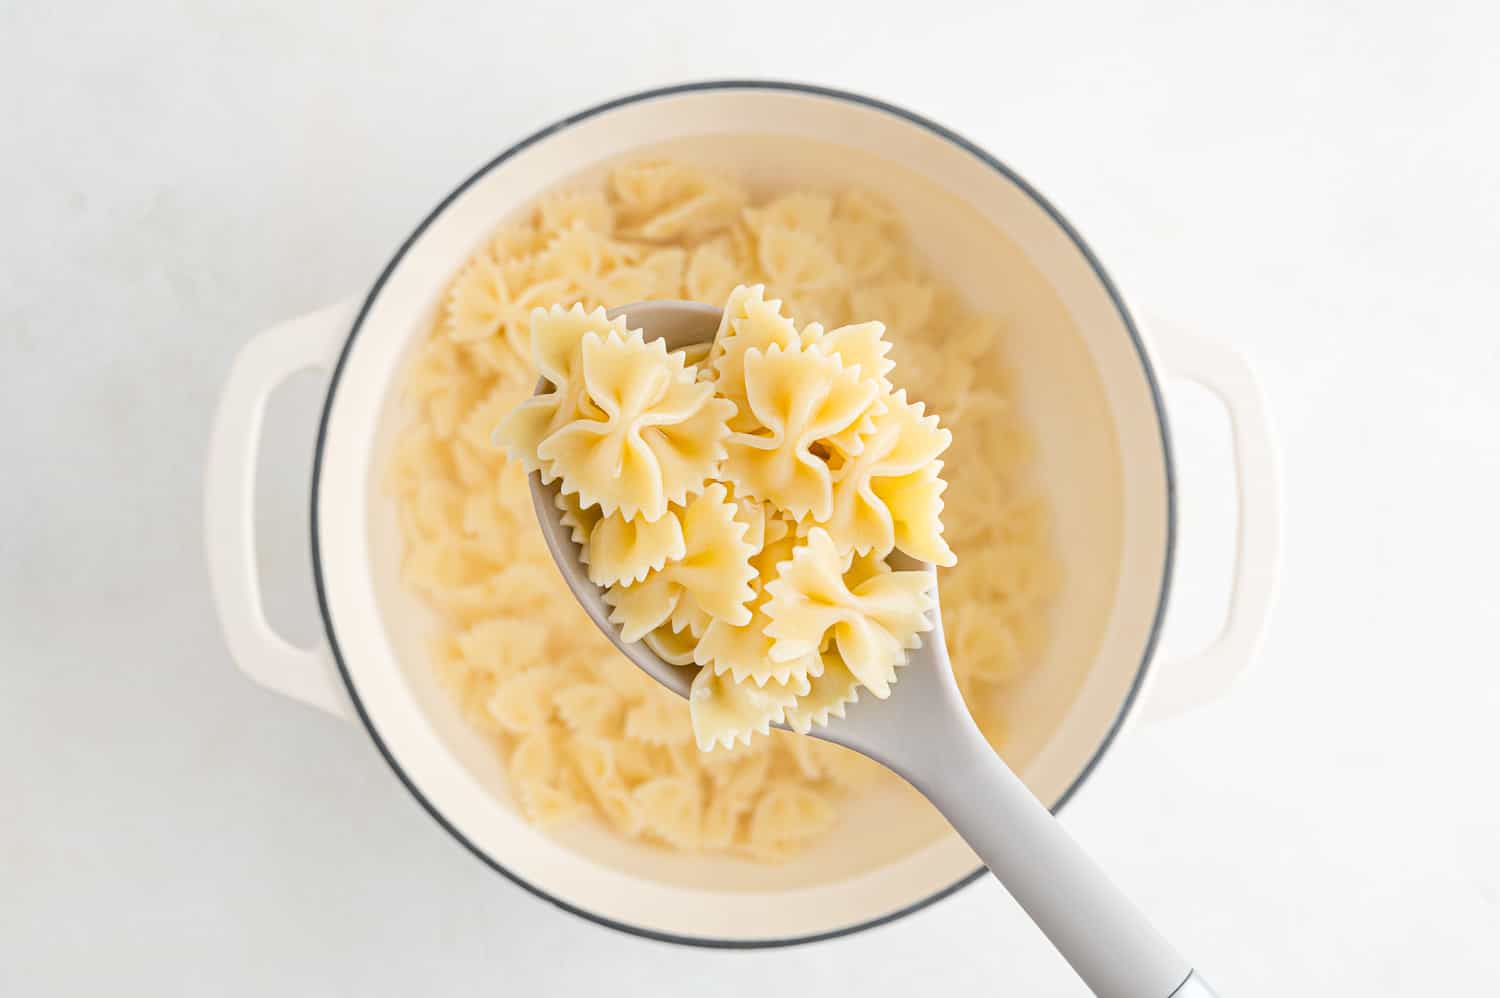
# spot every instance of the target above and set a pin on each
(556, 349)
(766, 590)
(798, 400)
(626, 426)
(584, 732)
(872, 622)
(891, 478)
(711, 580)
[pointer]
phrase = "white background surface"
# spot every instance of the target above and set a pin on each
(1317, 186)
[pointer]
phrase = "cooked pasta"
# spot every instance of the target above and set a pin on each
(798, 400)
(866, 501)
(631, 431)
(586, 731)
(871, 623)
(697, 579)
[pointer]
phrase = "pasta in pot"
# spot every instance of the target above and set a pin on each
(584, 732)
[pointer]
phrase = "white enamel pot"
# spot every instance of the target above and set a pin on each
(1088, 373)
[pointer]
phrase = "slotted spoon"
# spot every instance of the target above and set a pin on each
(925, 735)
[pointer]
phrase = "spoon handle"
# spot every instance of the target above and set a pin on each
(1092, 923)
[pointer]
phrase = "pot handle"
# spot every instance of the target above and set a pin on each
(306, 674)
(1207, 675)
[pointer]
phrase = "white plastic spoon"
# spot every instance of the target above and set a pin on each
(923, 733)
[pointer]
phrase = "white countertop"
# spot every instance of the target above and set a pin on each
(1318, 188)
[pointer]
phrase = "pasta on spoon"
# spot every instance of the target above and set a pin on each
(738, 512)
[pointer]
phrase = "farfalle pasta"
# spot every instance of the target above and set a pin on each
(891, 478)
(743, 651)
(589, 737)
(765, 588)
(711, 580)
(725, 712)
(624, 551)
(749, 322)
(494, 299)
(798, 400)
(627, 426)
(556, 351)
(871, 619)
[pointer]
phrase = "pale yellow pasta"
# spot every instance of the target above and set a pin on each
(622, 550)
(861, 346)
(672, 810)
(647, 187)
(657, 275)
(828, 694)
(593, 759)
(674, 646)
(799, 399)
(535, 758)
(516, 243)
(902, 442)
(989, 647)
(589, 708)
(669, 230)
(656, 720)
(872, 623)
(548, 803)
(914, 503)
(561, 210)
(737, 764)
(787, 817)
(579, 259)
(762, 523)
(556, 348)
(501, 648)
(806, 211)
(524, 704)
(866, 206)
(903, 305)
(663, 200)
(724, 711)
(862, 248)
(744, 651)
(797, 261)
(579, 521)
(486, 302)
(536, 772)
(712, 577)
(694, 355)
(676, 579)
(750, 323)
(647, 433)
(712, 272)
(714, 202)
(735, 785)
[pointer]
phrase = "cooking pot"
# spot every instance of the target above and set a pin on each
(1088, 371)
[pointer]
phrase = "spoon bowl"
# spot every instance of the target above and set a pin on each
(923, 732)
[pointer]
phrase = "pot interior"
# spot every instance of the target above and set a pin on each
(1085, 392)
